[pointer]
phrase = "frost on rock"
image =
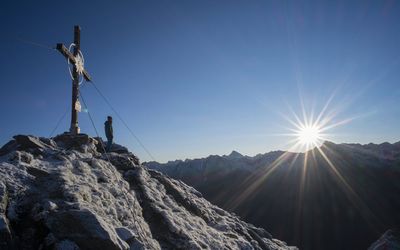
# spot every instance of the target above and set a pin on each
(66, 193)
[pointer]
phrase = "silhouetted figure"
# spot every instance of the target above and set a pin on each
(109, 132)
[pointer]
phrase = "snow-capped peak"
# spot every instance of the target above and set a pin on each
(234, 155)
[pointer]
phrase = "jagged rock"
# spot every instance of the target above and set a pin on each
(8, 147)
(3, 198)
(126, 234)
(390, 240)
(84, 228)
(72, 196)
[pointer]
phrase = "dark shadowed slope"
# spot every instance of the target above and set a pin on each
(337, 197)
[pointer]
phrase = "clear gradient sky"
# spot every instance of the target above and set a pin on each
(194, 78)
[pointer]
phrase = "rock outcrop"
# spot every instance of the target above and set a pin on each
(66, 193)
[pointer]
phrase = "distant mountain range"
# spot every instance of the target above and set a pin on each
(337, 196)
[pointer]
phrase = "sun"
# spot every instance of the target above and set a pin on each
(310, 128)
(310, 135)
(309, 131)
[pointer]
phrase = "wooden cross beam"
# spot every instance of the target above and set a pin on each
(77, 70)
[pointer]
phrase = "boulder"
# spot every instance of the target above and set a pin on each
(25, 142)
(116, 148)
(70, 141)
(122, 162)
(28, 143)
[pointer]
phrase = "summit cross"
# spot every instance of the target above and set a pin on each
(78, 70)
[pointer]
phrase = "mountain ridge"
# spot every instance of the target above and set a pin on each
(235, 152)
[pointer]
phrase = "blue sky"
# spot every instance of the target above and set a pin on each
(193, 78)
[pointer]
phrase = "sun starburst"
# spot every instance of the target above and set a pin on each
(310, 130)
(309, 135)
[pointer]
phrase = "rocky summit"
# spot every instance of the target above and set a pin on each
(67, 193)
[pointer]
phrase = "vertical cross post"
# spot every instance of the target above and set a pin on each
(74, 129)
(76, 59)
